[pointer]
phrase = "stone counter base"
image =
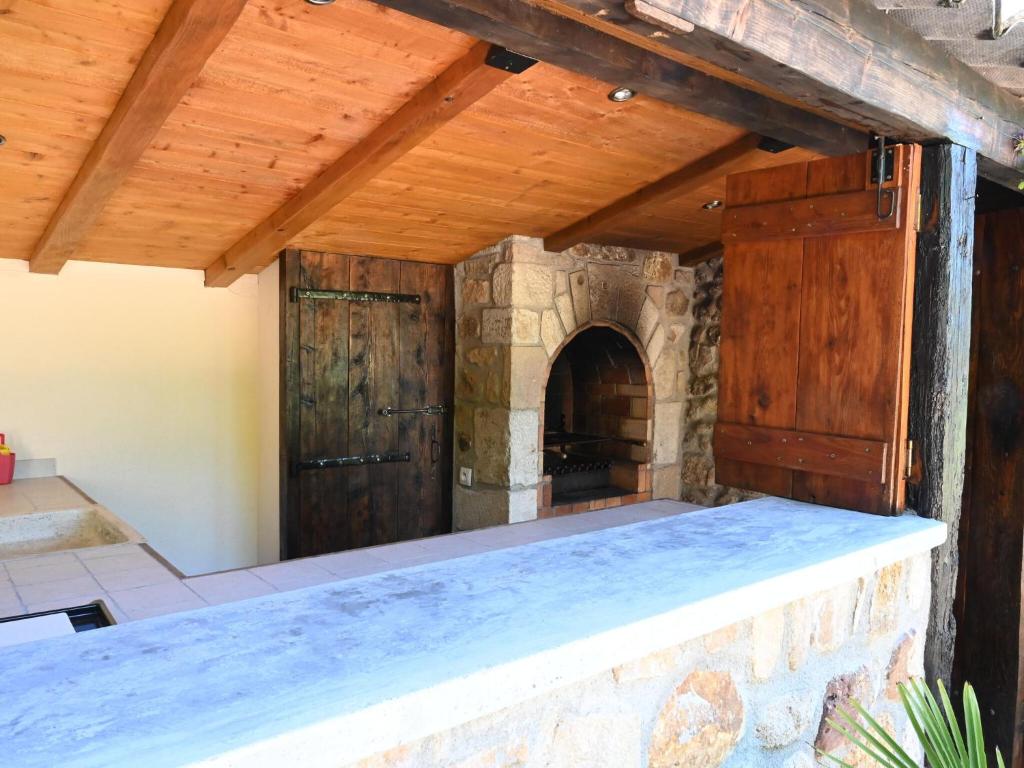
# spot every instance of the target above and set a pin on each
(756, 693)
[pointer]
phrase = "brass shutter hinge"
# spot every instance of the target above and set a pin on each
(912, 471)
(920, 205)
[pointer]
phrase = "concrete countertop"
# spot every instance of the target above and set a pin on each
(349, 668)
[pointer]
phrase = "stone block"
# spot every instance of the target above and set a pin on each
(522, 285)
(647, 321)
(527, 376)
(906, 662)
(597, 741)
(579, 287)
(884, 608)
(510, 326)
(482, 356)
(697, 470)
(524, 450)
(561, 282)
(667, 421)
(666, 482)
(551, 331)
(630, 298)
(655, 345)
(781, 721)
(563, 303)
(700, 724)
(658, 267)
(469, 326)
(676, 303)
(657, 294)
(665, 378)
(602, 294)
(840, 692)
(766, 635)
(478, 508)
(799, 646)
(650, 667)
(476, 291)
(491, 436)
(522, 505)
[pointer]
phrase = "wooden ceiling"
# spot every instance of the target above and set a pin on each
(292, 88)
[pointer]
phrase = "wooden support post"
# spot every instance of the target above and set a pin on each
(940, 363)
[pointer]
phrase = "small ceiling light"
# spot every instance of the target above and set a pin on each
(711, 205)
(3, 140)
(621, 94)
(319, 2)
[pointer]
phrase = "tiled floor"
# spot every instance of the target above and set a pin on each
(134, 585)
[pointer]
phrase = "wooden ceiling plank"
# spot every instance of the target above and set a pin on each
(460, 85)
(732, 157)
(534, 31)
(189, 34)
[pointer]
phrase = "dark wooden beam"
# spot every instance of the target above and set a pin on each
(463, 83)
(736, 156)
(188, 35)
(940, 366)
(849, 59)
(572, 45)
(700, 254)
(990, 619)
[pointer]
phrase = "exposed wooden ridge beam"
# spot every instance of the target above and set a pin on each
(572, 45)
(463, 83)
(700, 254)
(878, 73)
(188, 35)
(732, 157)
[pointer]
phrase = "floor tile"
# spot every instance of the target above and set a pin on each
(126, 561)
(229, 586)
(75, 591)
(136, 577)
(155, 599)
(57, 570)
(294, 574)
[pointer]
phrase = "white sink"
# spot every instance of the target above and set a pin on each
(55, 530)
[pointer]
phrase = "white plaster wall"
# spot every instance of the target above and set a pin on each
(269, 329)
(143, 386)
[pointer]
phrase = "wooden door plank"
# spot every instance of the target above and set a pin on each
(189, 34)
(373, 384)
(854, 337)
(290, 494)
(834, 455)
(425, 371)
(820, 216)
(760, 306)
(326, 363)
(462, 84)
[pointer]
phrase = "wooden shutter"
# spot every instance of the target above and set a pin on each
(816, 318)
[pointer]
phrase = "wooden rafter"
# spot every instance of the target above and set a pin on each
(466, 81)
(535, 31)
(188, 35)
(732, 157)
(700, 254)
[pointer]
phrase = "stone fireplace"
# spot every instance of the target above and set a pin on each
(572, 375)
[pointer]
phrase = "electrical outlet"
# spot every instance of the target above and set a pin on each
(465, 476)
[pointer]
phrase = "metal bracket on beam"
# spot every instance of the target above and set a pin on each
(509, 61)
(768, 144)
(385, 298)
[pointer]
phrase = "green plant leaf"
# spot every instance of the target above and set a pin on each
(947, 705)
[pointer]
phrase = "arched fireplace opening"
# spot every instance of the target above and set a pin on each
(597, 423)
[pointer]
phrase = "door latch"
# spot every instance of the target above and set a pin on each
(430, 410)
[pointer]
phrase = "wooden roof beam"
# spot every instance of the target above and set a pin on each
(467, 80)
(188, 35)
(732, 157)
(521, 25)
(878, 73)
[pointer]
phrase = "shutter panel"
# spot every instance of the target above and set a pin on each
(816, 320)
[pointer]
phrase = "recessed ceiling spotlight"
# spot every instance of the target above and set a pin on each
(711, 205)
(3, 140)
(621, 94)
(319, 2)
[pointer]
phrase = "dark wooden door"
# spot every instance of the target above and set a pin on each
(346, 357)
(816, 321)
(990, 622)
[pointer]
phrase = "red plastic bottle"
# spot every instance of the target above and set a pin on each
(6, 465)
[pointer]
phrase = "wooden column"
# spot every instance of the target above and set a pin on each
(940, 364)
(989, 615)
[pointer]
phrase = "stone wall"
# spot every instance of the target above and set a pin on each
(698, 462)
(516, 305)
(754, 694)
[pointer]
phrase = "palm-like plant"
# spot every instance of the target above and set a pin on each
(945, 743)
